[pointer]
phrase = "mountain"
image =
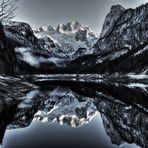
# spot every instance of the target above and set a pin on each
(74, 101)
(122, 46)
(8, 60)
(67, 39)
(48, 51)
(31, 52)
(73, 48)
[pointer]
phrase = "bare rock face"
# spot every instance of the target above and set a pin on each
(70, 26)
(50, 28)
(124, 29)
(123, 44)
(81, 35)
(77, 25)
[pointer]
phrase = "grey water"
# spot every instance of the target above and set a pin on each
(73, 111)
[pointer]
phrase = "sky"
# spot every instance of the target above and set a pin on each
(53, 12)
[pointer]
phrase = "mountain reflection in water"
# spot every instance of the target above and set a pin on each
(107, 111)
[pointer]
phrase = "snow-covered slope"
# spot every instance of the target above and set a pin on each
(66, 39)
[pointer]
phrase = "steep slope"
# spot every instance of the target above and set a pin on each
(122, 46)
(128, 31)
(22, 34)
(33, 54)
(53, 50)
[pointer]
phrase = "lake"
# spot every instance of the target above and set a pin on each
(80, 111)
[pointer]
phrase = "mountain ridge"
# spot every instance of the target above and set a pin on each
(74, 48)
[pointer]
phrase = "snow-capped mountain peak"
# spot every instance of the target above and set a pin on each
(68, 38)
(72, 27)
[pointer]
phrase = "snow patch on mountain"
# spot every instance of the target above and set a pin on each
(141, 51)
(139, 85)
(67, 38)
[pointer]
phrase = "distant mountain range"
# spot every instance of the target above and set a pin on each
(69, 39)
(74, 48)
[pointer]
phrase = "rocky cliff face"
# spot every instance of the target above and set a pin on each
(124, 29)
(111, 20)
(123, 40)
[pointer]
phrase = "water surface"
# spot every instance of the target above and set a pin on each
(74, 111)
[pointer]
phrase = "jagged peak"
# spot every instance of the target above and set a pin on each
(117, 8)
(40, 29)
(72, 26)
(51, 28)
(110, 20)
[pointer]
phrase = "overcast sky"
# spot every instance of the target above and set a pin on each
(53, 12)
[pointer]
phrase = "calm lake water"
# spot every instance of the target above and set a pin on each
(47, 113)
